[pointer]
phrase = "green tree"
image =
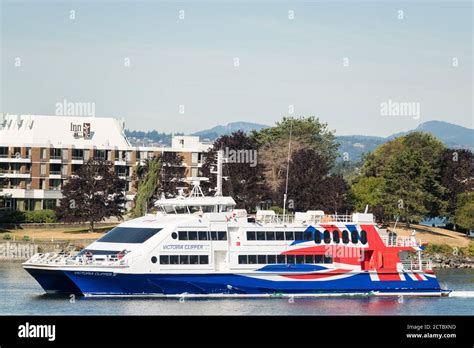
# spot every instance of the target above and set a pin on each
(464, 215)
(147, 186)
(370, 191)
(308, 130)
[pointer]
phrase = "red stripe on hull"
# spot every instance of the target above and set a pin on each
(317, 275)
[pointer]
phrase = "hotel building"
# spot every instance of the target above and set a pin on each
(39, 153)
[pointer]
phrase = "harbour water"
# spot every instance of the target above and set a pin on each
(21, 295)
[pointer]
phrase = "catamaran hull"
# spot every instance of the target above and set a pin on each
(91, 283)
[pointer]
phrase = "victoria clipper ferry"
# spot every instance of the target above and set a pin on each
(202, 246)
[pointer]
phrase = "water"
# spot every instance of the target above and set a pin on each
(21, 295)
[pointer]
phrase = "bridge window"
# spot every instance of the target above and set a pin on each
(317, 237)
(251, 235)
(335, 236)
(270, 235)
(129, 235)
(363, 237)
(327, 237)
(354, 237)
(181, 209)
(345, 237)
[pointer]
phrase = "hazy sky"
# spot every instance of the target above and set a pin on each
(283, 61)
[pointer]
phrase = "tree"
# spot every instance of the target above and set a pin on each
(311, 187)
(457, 175)
(158, 176)
(244, 171)
(307, 130)
(370, 191)
(464, 215)
(93, 194)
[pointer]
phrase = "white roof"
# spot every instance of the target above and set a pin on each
(206, 200)
(62, 131)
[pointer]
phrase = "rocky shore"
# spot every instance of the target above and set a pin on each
(451, 261)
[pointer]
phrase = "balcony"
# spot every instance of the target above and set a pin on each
(15, 174)
(77, 159)
(54, 159)
(4, 158)
(55, 174)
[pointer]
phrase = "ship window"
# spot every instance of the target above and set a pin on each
(345, 237)
(299, 235)
(174, 260)
(202, 235)
(270, 235)
(164, 259)
(221, 235)
(129, 235)
(183, 235)
(299, 258)
(318, 258)
(203, 259)
(208, 208)
(317, 237)
(262, 259)
(174, 235)
(194, 209)
(289, 235)
(354, 237)
(192, 235)
(363, 237)
(271, 259)
(279, 235)
(181, 209)
(252, 259)
(193, 259)
(154, 259)
(213, 235)
(309, 259)
(281, 259)
(327, 237)
(243, 259)
(335, 237)
(307, 235)
(251, 235)
(290, 258)
(183, 259)
(168, 209)
(327, 259)
(260, 235)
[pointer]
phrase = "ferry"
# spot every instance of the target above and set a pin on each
(203, 246)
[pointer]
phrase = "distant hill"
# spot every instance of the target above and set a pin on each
(355, 146)
(215, 132)
(451, 135)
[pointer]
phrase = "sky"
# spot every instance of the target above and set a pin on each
(191, 65)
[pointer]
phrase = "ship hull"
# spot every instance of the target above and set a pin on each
(93, 283)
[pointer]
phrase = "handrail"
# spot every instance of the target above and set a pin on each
(400, 241)
(72, 259)
(417, 265)
(280, 219)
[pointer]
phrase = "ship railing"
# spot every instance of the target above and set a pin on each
(290, 218)
(400, 241)
(417, 265)
(73, 259)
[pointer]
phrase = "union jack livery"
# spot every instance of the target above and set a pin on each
(202, 246)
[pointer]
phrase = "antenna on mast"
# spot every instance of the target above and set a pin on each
(219, 172)
(287, 171)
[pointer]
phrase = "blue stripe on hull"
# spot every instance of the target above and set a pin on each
(174, 284)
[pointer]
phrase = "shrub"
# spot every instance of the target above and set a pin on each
(7, 236)
(26, 238)
(40, 216)
(13, 216)
(438, 249)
